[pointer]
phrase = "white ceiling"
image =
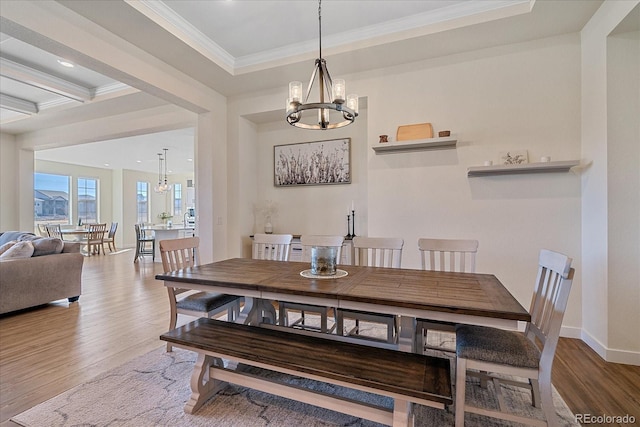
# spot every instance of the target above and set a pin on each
(237, 47)
(133, 153)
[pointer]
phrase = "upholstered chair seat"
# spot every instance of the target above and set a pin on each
(205, 301)
(496, 346)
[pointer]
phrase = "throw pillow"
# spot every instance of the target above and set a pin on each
(4, 248)
(19, 250)
(47, 246)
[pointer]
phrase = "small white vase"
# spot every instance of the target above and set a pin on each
(268, 227)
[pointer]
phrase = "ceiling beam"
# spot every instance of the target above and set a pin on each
(24, 74)
(19, 105)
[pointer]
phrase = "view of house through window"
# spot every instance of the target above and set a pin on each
(142, 194)
(177, 201)
(51, 199)
(88, 200)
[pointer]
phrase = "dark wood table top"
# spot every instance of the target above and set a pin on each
(457, 293)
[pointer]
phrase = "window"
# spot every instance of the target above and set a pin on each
(88, 200)
(142, 194)
(177, 200)
(51, 199)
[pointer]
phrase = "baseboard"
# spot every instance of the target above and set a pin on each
(611, 354)
(571, 332)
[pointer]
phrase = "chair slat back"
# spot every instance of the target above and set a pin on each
(549, 301)
(378, 251)
(141, 233)
(96, 232)
(448, 255)
(42, 230)
(178, 254)
(275, 247)
(53, 230)
(308, 241)
(112, 230)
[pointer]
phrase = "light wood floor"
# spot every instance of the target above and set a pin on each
(123, 310)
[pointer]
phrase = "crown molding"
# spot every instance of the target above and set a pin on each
(457, 15)
(18, 105)
(454, 16)
(175, 24)
(27, 75)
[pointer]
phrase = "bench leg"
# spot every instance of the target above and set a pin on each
(202, 386)
(403, 413)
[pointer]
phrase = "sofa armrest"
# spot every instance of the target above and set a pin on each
(71, 247)
(29, 282)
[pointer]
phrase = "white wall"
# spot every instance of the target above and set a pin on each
(623, 157)
(8, 183)
(316, 209)
(524, 96)
(601, 295)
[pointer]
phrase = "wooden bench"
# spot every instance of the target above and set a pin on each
(406, 377)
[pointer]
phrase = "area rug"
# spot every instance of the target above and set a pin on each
(152, 390)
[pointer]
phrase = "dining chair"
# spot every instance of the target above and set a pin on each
(373, 252)
(110, 240)
(53, 230)
(517, 354)
(42, 230)
(453, 255)
(142, 241)
(95, 238)
(275, 247)
(309, 241)
(180, 254)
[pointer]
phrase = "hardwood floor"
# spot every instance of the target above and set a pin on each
(123, 309)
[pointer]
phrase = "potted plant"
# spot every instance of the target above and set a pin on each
(165, 216)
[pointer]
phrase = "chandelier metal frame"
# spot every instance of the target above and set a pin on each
(296, 105)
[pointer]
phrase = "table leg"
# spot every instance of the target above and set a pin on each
(248, 313)
(406, 338)
(256, 311)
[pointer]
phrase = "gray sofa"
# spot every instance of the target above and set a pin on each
(29, 282)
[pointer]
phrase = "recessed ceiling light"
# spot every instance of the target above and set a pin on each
(65, 63)
(189, 160)
(138, 161)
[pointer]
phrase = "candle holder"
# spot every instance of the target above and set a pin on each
(353, 226)
(348, 236)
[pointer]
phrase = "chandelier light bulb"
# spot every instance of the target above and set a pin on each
(339, 91)
(295, 92)
(352, 102)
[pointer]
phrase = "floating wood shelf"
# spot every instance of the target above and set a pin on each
(546, 167)
(415, 145)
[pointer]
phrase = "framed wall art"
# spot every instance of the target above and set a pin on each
(514, 157)
(312, 163)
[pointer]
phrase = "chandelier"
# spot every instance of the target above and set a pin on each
(163, 186)
(334, 90)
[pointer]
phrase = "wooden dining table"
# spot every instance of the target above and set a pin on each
(470, 298)
(75, 233)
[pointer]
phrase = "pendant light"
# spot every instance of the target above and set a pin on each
(335, 91)
(163, 186)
